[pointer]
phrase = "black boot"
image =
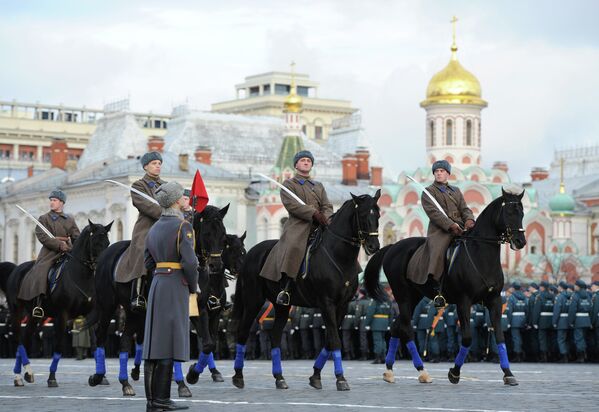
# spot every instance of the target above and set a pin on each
(161, 387)
(138, 302)
(149, 367)
(284, 298)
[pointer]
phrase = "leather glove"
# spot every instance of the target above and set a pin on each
(456, 230)
(63, 247)
(320, 218)
(469, 224)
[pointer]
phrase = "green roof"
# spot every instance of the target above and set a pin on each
(291, 145)
(562, 203)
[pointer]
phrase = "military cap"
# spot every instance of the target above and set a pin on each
(553, 288)
(516, 285)
(534, 285)
(187, 192)
(595, 283)
(563, 285)
(442, 164)
(581, 284)
(169, 193)
(301, 154)
(545, 284)
(150, 156)
(58, 194)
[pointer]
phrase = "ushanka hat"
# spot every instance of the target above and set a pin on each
(169, 193)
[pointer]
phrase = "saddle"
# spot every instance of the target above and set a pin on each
(313, 243)
(55, 273)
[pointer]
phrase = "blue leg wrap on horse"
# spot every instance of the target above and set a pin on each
(123, 359)
(239, 355)
(55, 359)
(393, 345)
(461, 358)
(321, 359)
(503, 361)
(275, 354)
(138, 352)
(202, 362)
(23, 355)
(178, 371)
(414, 354)
(337, 362)
(100, 356)
(17, 368)
(211, 364)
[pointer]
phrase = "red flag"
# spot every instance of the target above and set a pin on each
(199, 195)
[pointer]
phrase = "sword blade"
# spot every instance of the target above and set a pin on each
(134, 190)
(289, 192)
(437, 205)
(37, 222)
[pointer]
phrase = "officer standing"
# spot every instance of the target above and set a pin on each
(348, 325)
(560, 320)
(541, 319)
(517, 315)
(579, 318)
(361, 310)
(532, 334)
(595, 319)
(266, 320)
(478, 332)
(450, 317)
(378, 320)
(422, 320)
(170, 254)
(306, 316)
(318, 328)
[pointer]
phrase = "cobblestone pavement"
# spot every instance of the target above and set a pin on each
(542, 387)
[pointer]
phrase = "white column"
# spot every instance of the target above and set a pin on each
(15, 150)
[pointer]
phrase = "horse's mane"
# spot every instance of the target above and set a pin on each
(81, 239)
(209, 212)
(345, 205)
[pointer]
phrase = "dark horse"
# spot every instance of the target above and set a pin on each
(207, 323)
(209, 233)
(330, 284)
(70, 298)
(475, 275)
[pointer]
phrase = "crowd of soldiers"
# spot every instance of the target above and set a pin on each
(541, 322)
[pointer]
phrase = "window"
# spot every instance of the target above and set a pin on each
(449, 132)
(318, 132)
(432, 131)
(46, 115)
(533, 250)
(254, 91)
(302, 91)
(281, 89)
(266, 88)
(469, 133)
(304, 129)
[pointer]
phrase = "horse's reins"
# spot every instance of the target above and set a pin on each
(89, 263)
(203, 253)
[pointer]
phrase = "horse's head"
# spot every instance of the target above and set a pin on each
(92, 241)
(512, 213)
(367, 221)
(234, 253)
(210, 236)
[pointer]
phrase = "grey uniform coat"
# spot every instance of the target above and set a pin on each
(35, 282)
(171, 239)
(430, 257)
(131, 264)
(287, 255)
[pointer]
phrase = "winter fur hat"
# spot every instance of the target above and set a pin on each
(168, 194)
(301, 154)
(148, 157)
(442, 164)
(58, 194)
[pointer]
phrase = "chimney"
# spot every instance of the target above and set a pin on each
(376, 176)
(184, 162)
(539, 173)
(349, 164)
(155, 144)
(363, 155)
(30, 171)
(203, 154)
(501, 166)
(58, 153)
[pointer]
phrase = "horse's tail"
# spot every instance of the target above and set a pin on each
(372, 273)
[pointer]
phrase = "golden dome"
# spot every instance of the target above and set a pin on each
(454, 85)
(293, 102)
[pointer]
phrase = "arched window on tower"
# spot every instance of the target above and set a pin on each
(468, 132)
(449, 132)
(432, 132)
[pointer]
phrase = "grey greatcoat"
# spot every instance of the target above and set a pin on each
(171, 239)
(131, 264)
(430, 257)
(35, 282)
(286, 256)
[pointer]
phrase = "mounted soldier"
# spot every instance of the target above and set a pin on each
(131, 265)
(65, 231)
(285, 259)
(428, 263)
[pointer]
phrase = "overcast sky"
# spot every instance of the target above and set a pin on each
(537, 61)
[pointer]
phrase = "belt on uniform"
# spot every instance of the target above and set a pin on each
(546, 313)
(518, 314)
(582, 314)
(305, 316)
(450, 313)
(424, 315)
(383, 316)
(317, 315)
(563, 315)
(349, 316)
(169, 265)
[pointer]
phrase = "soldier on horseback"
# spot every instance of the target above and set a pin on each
(65, 230)
(286, 257)
(131, 266)
(441, 228)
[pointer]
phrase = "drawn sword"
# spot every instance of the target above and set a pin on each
(289, 192)
(134, 190)
(37, 222)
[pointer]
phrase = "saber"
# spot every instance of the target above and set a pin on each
(429, 196)
(37, 222)
(289, 192)
(134, 190)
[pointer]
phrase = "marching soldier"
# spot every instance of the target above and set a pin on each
(541, 319)
(65, 231)
(348, 326)
(131, 266)
(532, 334)
(169, 252)
(517, 315)
(378, 320)
(285, 259)
(361, 310)
(579, 318)
(441, 229)
(560, 320)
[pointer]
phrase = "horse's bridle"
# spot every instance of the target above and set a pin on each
(363, 235)
(504, 237)
(203, 254)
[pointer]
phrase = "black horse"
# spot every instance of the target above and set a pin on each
(207, 323)
(330, 284)
(209, 234)
(70, 297)
(475, 275)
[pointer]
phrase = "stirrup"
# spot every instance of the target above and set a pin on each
(213, 302)
(138, 304)
(439, 301)
(37, 312)
(283, 298)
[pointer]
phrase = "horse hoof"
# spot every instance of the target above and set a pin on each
(424, 377)
(238, 382)
(510, 380)
(127, 389)
(135, 373)
(315, 382)
(104, 382)
(217, 376)
(18, 382)
(453, 378)
(389, 376)
(192, 376)
(183, 390)
(52, 383)
(29, 378)
(342, 385)
(281, 384)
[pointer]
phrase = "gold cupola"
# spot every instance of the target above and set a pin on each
(293, 102)
(454, 84)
